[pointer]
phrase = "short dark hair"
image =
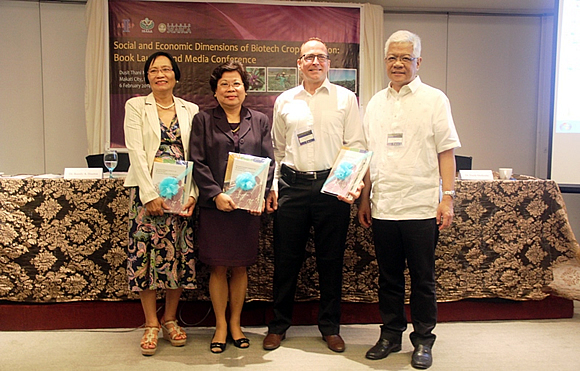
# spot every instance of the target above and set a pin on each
(154, 56)
(229, 66)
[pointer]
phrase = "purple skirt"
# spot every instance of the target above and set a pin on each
(228, 239)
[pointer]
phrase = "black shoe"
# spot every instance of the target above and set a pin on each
(383, 348)
(422, 357)
(242, 343)
(217, 347)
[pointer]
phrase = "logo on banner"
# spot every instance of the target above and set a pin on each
(126, 25)
(147, 25)
(180, 28)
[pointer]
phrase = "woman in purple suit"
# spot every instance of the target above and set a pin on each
(228, 237)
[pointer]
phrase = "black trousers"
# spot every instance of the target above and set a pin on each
(300, 206)
(413, 241)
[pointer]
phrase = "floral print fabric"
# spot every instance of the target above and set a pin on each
(66, 240)
(160, 248)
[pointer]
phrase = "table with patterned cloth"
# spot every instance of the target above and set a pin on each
(65, 240)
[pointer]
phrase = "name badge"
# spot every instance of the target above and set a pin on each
(395, 140)
(305, 136)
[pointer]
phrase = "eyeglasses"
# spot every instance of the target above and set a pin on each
(310, 57)
(227, 84)
(406, 59)
(163, 70)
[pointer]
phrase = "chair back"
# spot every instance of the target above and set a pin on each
(97, 161)
(462, 162)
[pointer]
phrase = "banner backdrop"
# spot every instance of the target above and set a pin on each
(265, 38)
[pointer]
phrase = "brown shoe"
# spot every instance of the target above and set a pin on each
(335, 343)
(272, 341)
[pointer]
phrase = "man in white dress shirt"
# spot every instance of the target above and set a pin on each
(409, 128)
(311, 123)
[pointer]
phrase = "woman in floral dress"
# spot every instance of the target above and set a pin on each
(160, 249)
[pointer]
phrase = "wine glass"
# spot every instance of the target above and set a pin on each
(110, 159)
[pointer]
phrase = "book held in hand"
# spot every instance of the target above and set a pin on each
(245, 180)
(173, 182)
(348, 171)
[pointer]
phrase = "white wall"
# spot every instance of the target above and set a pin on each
(21, 116)
(42, 101)
(488, 66)
(63, 71)
(492, 84)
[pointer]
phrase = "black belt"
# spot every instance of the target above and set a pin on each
(306, 175)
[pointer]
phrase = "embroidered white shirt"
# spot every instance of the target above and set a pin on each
(407, 130)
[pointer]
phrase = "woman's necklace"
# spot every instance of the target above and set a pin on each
(165, 107)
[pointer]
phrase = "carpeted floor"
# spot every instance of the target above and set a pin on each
(489, 345)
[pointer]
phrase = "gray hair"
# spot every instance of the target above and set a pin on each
(404, 36)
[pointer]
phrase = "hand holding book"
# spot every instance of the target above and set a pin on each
(353, 194)
(173, 182)
(245, 181)
(346, 176)
(224, 202)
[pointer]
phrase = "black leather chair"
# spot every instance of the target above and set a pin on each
(122, 163)
(462, 162)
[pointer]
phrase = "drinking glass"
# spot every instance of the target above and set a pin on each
(110, 159)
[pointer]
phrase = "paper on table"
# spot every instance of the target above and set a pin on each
(48, 176)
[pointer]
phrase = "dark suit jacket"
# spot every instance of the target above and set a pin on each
(212, 139)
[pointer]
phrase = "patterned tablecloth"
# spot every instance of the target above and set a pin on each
(64, 240)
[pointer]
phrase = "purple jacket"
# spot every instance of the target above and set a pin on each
(211, 141)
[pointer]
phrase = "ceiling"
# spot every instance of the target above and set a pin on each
(471, 6)
(451, 6)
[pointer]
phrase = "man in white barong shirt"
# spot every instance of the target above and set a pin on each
(410, 129)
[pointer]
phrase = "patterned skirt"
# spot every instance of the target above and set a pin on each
(160, 249)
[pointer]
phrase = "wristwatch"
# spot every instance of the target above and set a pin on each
(449, 193)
